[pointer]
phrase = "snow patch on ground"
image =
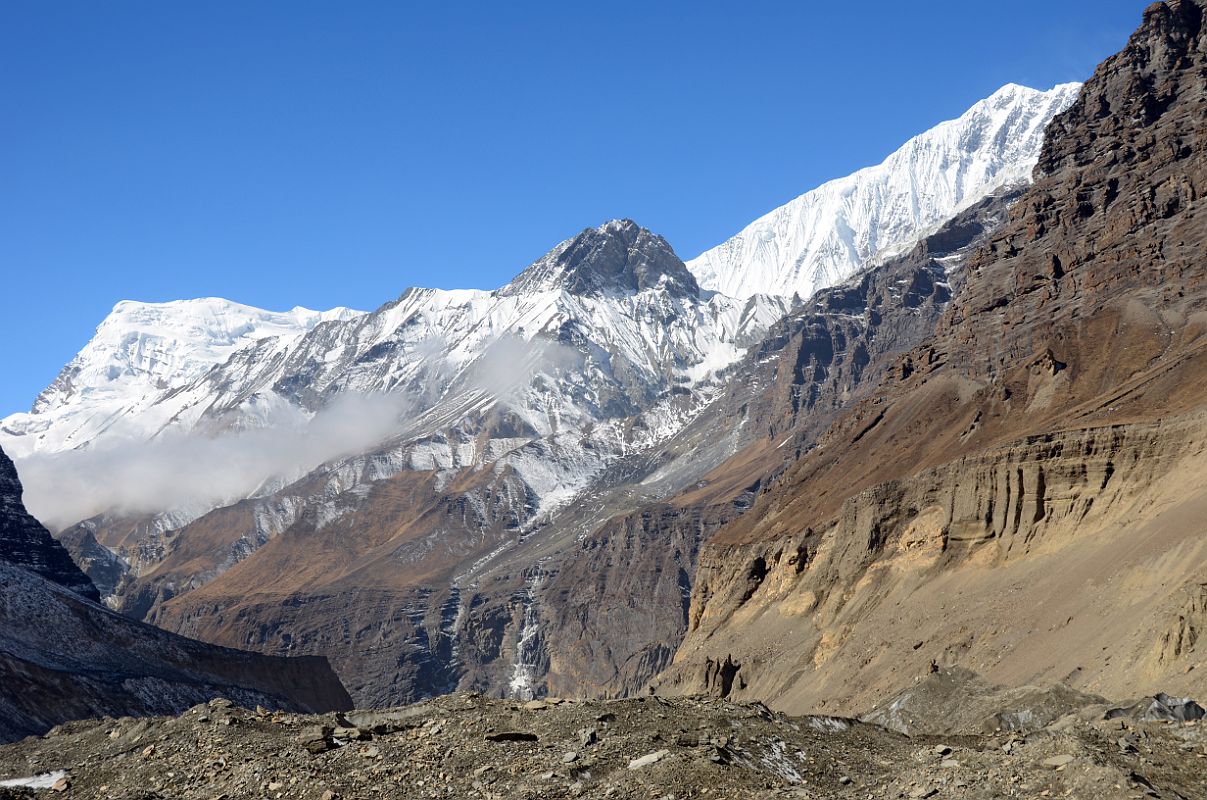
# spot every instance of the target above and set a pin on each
(43, 781)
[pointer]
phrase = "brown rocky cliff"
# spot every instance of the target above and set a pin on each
(1044, 447)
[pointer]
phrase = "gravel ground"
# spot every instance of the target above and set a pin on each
(469, 746)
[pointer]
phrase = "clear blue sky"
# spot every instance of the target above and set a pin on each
(322, 153)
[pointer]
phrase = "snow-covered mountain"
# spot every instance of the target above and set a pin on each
(603, 347)
(830, 233)
(139, 352)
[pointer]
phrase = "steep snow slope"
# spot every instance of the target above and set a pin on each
(826, 235)
(138, 352)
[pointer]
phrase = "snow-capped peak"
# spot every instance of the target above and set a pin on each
(142, 349)
(827, 234)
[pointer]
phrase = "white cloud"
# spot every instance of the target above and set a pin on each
(177, 470)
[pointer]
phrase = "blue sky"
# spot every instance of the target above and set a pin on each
(323, 154)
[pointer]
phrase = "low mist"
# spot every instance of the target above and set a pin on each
(509, 365)
(194, 472)
(182, 471)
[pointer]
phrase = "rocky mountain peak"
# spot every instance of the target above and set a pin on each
(618, 257)
(1151, 78)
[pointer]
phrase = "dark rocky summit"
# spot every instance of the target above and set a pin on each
(25, 542)
(620, 256)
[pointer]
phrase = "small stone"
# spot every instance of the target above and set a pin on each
(587, 737)
(61, 785)
(535, 705)
(480, 771)
(317, 739)
(942, 750)
(221, 702)
(148, 751)
(275, 786)
(569, 758)
(1058, 761)
(512, 736)
(350, 734)
(370, 751)
(949, 763)
(845, 780)
(649, 758)
(330, 795)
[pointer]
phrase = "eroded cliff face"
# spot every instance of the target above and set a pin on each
(1073, 557)
(1023, 496)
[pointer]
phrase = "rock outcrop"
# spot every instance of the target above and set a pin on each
(64, 657)
(25, 542)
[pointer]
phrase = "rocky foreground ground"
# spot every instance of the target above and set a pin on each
(469, 746)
